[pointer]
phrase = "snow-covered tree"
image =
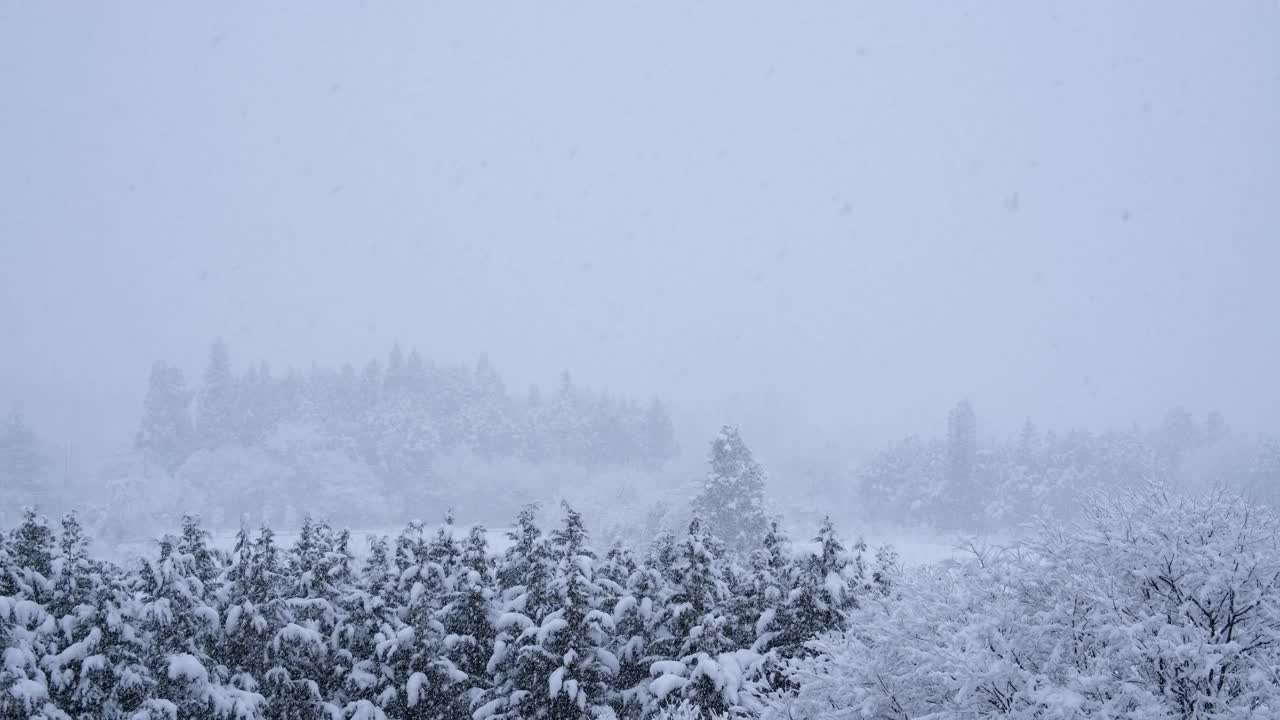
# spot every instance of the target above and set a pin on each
(32, 550)
(524, 572)
(166, 432)
(468, 620)
(559, 667)
(828, 585)
(657, 441)
(440, 630)
(765, 592)
(22, 466)
(216, 404)
(1158, 606)
(731, 502)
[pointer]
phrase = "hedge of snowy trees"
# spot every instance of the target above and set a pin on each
(398, 415)
(1158, 606)
(426, 627)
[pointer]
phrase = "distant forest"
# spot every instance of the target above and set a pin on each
(403, 437)
(398, 414)
(957, 482)
(373, 445)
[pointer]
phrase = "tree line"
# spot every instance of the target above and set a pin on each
(398, 415)
(428, 626)
(1154, 605)
(957, 482)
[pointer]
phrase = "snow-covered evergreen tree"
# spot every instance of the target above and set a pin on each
(440, 630)
(166, 432)
(180, 628)
(215, 406)
(732, 499)
(828, 585)
(559, 667)
(768, 587)
(22, 467)
(32, 550)
(468, 620)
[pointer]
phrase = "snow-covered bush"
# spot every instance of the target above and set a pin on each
(1155, 606)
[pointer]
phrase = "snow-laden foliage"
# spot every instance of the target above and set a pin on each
(428, 627)
(732, 497)
(1152, 606)
(1156, 606)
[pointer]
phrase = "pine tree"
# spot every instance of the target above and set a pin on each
(215, 411)
(73, 569)
(32, 549)
(732, 498)
(255, 406)
(364, 619)
(565, 421)
(770, 583)
(1028, 443)
(111, 677)
(1178, 435)
(525, 571)
(658, 439)
(423, 683)
(488, 422)
(306, 560)
(194, 541)
(885, 574)
(639, 627)
(469, 622)
(254, 612)
(75, 657)
(377, 574)
(181, 630)
(828, 585)
(962, 461)
(698, 623)
(411, 547)
(560, 667)
(166, 432)
(699, 592)
(21, 464)
(615, 571)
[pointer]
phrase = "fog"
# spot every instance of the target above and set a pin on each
(621, 361)
(826, 224)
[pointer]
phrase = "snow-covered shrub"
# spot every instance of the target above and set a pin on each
(1155, 606)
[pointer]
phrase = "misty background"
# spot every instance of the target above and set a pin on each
(826, 225)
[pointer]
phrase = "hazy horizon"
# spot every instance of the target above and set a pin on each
(825, 224)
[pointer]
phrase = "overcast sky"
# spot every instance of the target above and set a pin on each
(826, 221)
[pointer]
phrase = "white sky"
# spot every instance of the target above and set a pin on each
(826, 221)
